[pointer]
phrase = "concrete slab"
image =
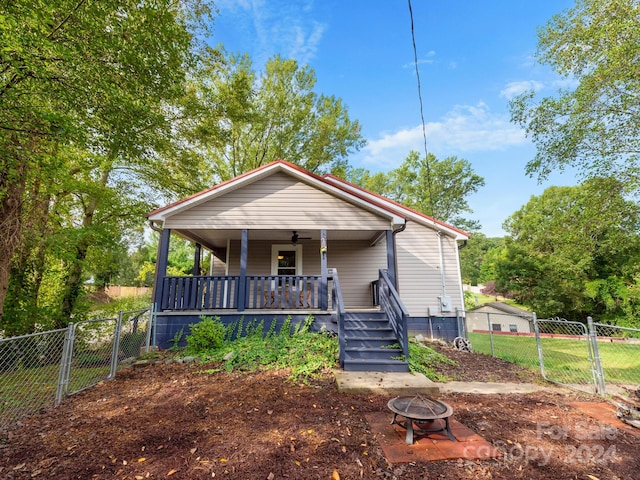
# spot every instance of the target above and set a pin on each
(388, 383)
(489, 387)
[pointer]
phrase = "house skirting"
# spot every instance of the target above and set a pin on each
(172, 326)
(443, 328)
(175, 326)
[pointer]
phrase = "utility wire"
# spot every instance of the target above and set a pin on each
(424, 128)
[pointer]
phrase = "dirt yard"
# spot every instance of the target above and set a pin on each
(174, 421)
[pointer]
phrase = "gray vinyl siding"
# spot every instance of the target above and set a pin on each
(277, 200)
(357, 264)
(419, 279)
(259, 260)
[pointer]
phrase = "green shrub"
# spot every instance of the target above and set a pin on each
(306, 354)
(423, 359)
(208, 334)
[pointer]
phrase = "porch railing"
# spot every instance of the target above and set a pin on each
(291, 292)
(283, 291)
(338, 303)
(397, 313)
(200, 293)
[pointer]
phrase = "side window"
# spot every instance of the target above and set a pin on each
(496, 327)
(513, 328)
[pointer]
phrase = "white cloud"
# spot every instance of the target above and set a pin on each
(516, 88)
(421, 61)
(278, 26)
(467, 128)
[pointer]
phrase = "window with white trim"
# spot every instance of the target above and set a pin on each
(286, 259)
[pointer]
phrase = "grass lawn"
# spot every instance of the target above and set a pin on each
(565, 360)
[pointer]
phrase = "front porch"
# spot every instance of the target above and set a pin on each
(374, 339)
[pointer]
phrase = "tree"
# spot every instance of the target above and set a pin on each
(477, 258)
(596, 126)
(567, 242)
(438, 188)
(84, 90)
(245, 120)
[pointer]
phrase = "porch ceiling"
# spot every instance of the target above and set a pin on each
(218, 238)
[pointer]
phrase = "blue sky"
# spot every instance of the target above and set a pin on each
(473, 57)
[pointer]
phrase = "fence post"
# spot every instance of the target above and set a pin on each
(150, 325)
(599, 373)
(65, 364)
(115, 347)
(490, 333)
(536, 329)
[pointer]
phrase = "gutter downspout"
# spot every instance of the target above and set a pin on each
(395, 252)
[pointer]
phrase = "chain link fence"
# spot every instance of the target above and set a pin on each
(39, 370)
(591, 357)
(566, 355)
(501, 335)
(618, 352)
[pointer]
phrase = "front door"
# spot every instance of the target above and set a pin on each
(286, 259)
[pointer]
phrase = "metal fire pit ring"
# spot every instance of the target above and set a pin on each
(430, 416)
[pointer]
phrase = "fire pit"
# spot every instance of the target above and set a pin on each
(430, 416)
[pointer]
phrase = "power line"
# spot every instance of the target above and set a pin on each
(424, 128)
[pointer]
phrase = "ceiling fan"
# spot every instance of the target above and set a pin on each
(295, 237)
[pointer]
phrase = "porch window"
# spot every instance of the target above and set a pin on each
(286, 259)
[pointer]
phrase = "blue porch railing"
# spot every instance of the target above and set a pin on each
(338, 304)
(291, 292)
(397, 313)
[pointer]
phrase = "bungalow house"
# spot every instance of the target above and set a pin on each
(286, 242)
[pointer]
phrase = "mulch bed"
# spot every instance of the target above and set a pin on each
(173, 421)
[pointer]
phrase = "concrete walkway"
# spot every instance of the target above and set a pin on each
(393, 383)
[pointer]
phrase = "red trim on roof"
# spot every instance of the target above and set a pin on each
(431, 219)
(214, 187)
(303, 171)
(322, 179)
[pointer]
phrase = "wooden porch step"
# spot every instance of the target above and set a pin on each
(374, 365)
(377, 353)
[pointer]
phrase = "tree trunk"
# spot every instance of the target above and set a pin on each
(28, 265)
(73, 282)
(11, 191)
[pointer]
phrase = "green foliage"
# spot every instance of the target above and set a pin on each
(87, 92)
(425, 360)
(246, 119)
(306, 354)
(594, 126)
(208, 334)
(438, 188)
(175, 341)
(574, 252)
(477, 258)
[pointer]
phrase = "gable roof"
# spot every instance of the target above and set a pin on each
(506, 308)
(397, 213)
(408, 212)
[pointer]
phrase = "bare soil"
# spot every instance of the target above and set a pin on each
(174, 421)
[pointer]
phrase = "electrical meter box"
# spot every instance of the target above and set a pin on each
(445, 303)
